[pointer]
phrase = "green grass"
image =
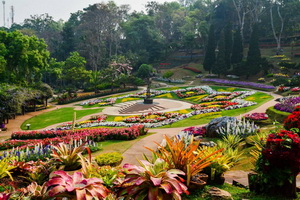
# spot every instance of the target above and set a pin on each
(236, 192)
(56, 116)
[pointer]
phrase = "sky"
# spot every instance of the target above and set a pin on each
(58, 9)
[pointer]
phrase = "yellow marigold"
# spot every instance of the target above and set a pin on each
(167, 95)
(196, 98)
(219, 97)
(250, 99)
(118, 119)
(129, 99)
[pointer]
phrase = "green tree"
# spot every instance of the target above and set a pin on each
(210, 55)
(254, 55)
(23, 58)
(228, 44)
(146, 72)
(220, 66)
(74, 71)
(237, 48)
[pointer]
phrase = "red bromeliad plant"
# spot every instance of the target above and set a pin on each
(153, 181)
(76, 186)
(292, 121)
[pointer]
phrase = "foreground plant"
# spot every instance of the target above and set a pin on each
(5, 168)
(65, 185)
(152, 182)
(68, 155)
(182, 157)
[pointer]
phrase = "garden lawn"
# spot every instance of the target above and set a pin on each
(56, 116)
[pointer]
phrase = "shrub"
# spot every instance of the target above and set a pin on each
(276, 115)
(280, 81)
(112, 159)
(168, 74)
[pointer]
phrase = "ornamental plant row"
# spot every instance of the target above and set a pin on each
(105, 133)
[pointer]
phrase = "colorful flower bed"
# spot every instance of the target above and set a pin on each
(220, 104)
(256, 116)
(288, 104)
(221, 96)
(86, 123)
(100, 102)
(184, 93)
(152, 117)
(93, 134)
(239, 83)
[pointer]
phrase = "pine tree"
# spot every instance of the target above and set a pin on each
(237, 48)
(228, 45)
(254, 56)
(221, 66)
(210, 56)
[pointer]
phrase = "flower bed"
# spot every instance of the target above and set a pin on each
(196, 131)
(100, 102)
(239, 83)
(256, 116)
(131, 133)
(104, 93)
(220, 104)
(288, 104)
(189, 92)
(151, 117)
(221, 96)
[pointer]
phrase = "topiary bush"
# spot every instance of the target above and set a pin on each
(111, 159)
(276, 115)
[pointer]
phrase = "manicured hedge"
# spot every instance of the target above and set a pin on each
(277, 115)
(108, 92)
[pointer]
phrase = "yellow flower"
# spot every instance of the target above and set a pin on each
(250, 99)
(196, 98)
(129, 99)
(118, 119)
(167, 95)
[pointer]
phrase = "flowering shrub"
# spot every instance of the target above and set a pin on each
(256, 116)
(288, 104)
(292, 121)
(279, 164)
